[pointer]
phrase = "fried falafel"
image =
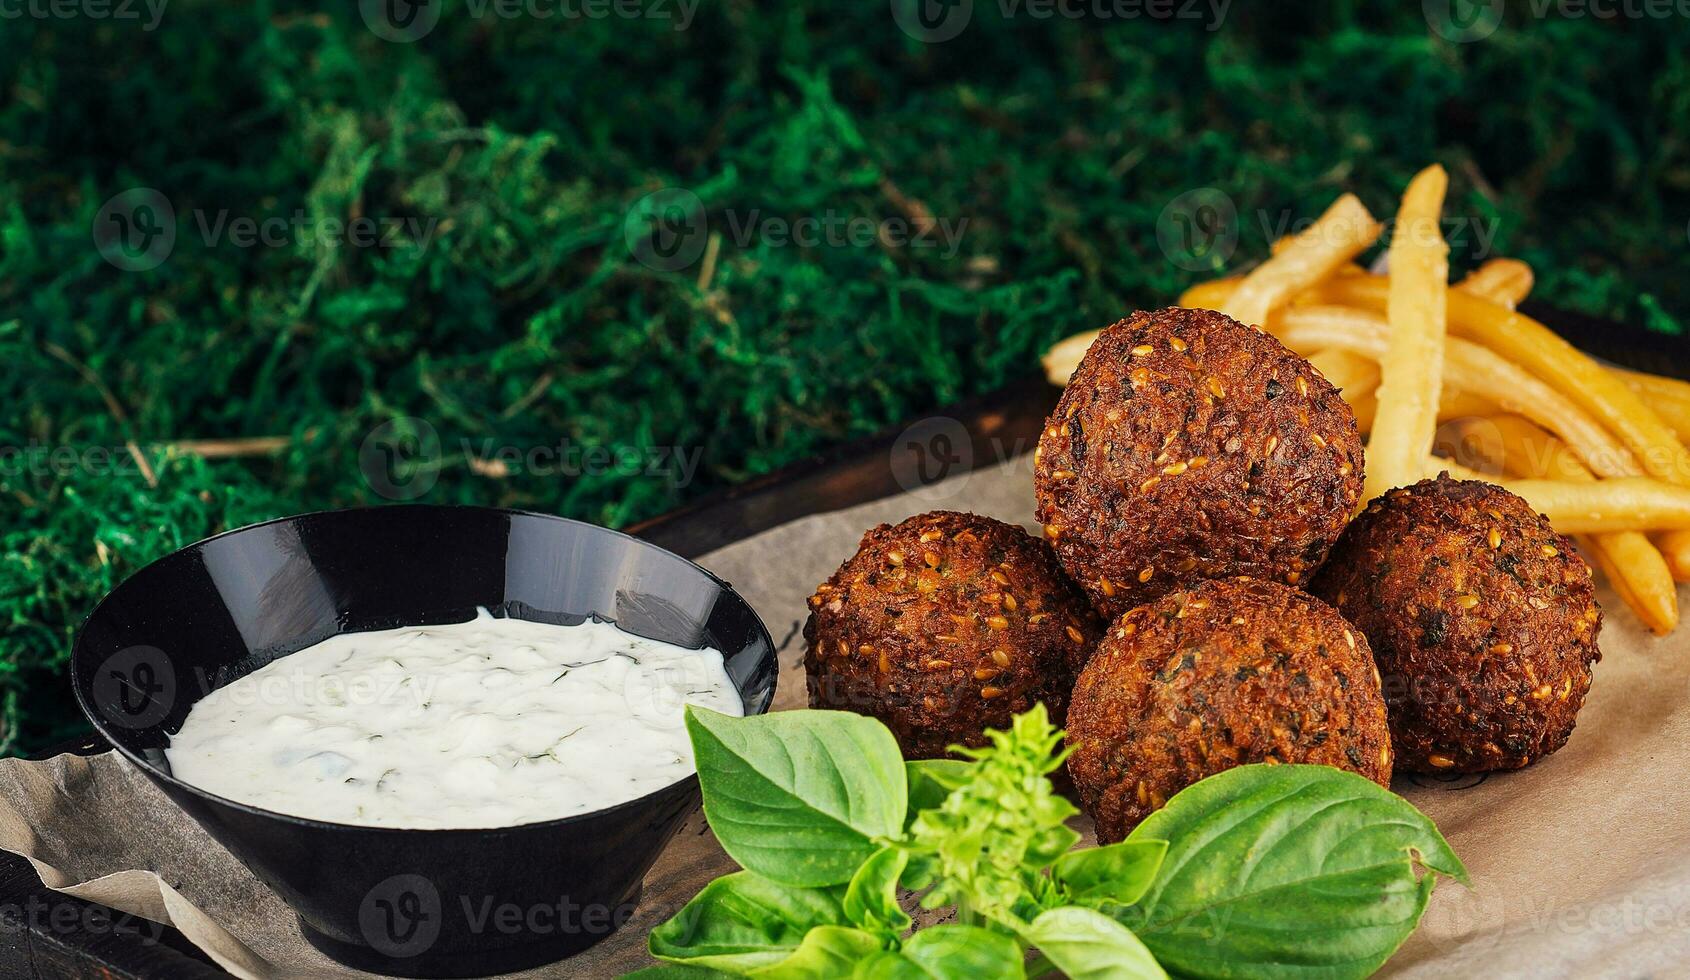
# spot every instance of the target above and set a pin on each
(945, 625)
(1482, 619)
(1220, 674)
(1189, 446)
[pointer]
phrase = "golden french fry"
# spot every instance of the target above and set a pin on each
(1064, 356)
(1633, 503)
(1351, 373)
(1675, 548)
(1520, 447)
(1634, 566)
(1211, 295)
(1366, 408)
(1340, 234)
(1411, 372)
(1505, 282)
(1540, 351)
(1457, 404)
(1438, 464)
(1669, 397)
(1355, 376)
(1635, 549)
(1283, 242)
(1469, 368)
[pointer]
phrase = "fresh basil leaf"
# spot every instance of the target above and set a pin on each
(676, 971)
(957, 952)
(922, 870)
(826, 952)
(1119, 873)
(1049, 844)
(1280, 871)
(799, 796)
(952, 952)
(742, 921)
(1088, 945)
(887, 965)
(931, 780)
(871, 900)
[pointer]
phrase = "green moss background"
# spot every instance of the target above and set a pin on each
(519, 315)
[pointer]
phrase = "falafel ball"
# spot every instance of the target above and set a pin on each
(1224, 673)
(1482, 619)
(1189, 446)
(945, 625)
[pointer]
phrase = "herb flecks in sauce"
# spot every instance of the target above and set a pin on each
(489, 723)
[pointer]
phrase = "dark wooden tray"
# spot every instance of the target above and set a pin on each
(44, 934)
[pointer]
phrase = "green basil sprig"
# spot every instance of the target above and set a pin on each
(1273, 871)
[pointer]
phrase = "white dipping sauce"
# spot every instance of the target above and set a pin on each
(489, 723)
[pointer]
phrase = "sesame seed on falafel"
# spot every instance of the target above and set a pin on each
(1482, 618)
(1188, 446)
(1224, 673)
(945, 625)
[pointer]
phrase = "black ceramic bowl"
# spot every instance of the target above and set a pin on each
(428, 903)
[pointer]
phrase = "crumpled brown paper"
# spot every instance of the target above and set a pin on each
(1580, 864)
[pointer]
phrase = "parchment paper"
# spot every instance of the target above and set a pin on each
(1580, 863)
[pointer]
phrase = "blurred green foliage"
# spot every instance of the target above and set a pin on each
(514, 311)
